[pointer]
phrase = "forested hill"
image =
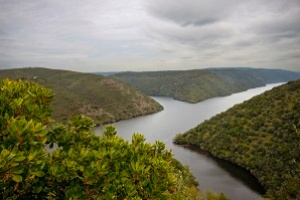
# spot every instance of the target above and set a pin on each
(262, 135)
(104, 99)
(197, 85)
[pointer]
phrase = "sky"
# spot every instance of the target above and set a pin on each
(146, 35)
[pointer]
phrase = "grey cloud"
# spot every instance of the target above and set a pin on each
(278, 17)
(135, 33)
(282, 26)
(280, 22)
(195, 37)
(230, 28)
(246, 43)
(191, 12)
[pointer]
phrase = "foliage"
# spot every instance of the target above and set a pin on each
(262, 135)
(24, 110)
(197, 85)
(103, 99)
(108, 167)
(83, 166)
(209, 195)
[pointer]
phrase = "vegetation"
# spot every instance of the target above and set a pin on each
(83, 165)
(197, 85)
(101, 98)
(261, 135)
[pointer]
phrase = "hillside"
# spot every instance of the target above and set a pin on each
(197, 85)
(261, 135)
(104, 99)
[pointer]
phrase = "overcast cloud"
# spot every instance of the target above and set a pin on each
(117, 35)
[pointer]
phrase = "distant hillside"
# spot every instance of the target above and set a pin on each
(262, 135)
(197, 85)
(104, 99)
(105, 73)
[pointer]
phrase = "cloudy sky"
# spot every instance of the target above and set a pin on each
(139, 35)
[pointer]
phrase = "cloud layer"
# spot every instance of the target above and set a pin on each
(107, 35)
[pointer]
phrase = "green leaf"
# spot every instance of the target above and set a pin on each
(31, 155)
(17, 171)
(20, 158)
(37, 189)
(39, 173)
(14, 164)
(17, 178)
(147, 169)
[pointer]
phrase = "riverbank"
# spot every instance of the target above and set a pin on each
(233, 169)
(261, 135)
(112, 121)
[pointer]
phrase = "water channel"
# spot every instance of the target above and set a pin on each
(178, 117)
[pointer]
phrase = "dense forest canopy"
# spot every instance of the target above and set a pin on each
(197, 85)
(261, 135)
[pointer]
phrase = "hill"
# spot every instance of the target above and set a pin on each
(102, 98)
(261, 135)
(197, 85)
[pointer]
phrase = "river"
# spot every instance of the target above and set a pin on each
(178, 117)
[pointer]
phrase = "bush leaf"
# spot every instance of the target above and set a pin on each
(17, 178)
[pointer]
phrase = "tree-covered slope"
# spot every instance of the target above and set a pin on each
(262, 135)
(197, 85)
(102, 98)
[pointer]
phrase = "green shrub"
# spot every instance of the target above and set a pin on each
(83, 165)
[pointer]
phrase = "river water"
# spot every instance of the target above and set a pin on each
(178, 117)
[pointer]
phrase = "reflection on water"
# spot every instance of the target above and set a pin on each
(235, 171)
(178, 117)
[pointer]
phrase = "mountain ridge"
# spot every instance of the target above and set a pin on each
(200, 84)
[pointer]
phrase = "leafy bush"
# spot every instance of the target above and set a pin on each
(24, 110)
(83, 165)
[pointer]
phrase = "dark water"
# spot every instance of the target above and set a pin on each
(178, 117)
